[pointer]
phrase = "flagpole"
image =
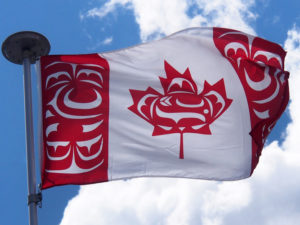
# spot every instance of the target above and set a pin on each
(24, 48)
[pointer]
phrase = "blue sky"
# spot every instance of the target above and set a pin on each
(271, 196)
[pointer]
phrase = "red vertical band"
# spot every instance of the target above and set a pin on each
(75, 104)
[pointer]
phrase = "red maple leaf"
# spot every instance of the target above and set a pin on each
(181, 109)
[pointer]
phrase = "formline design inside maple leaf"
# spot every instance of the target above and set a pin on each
(180, 109)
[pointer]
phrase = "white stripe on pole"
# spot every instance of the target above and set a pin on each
(29, 141)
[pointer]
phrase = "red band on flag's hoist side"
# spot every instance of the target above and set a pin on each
(75, 113)
(260, 67)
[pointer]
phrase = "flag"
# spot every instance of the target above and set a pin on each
(197, 104)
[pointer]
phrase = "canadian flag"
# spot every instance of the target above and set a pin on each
(197, 104)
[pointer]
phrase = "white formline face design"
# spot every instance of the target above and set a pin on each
(260, 67)
(266, 81)
(62, 105)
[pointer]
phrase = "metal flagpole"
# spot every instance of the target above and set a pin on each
(24, 48)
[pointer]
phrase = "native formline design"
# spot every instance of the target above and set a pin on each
(259, 64)
(73, 132)
(181, 108)
(96, 108)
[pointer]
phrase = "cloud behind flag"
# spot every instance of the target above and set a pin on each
(216, 93)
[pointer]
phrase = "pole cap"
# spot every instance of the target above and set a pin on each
(25, 44)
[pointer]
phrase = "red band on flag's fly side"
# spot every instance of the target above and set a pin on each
(259, 64)
(197, 104)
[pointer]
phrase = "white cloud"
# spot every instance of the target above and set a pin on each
(292, 45)
(158, 18)
(108, 7)
(107, 41)
(276, 19)
(270, 197)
